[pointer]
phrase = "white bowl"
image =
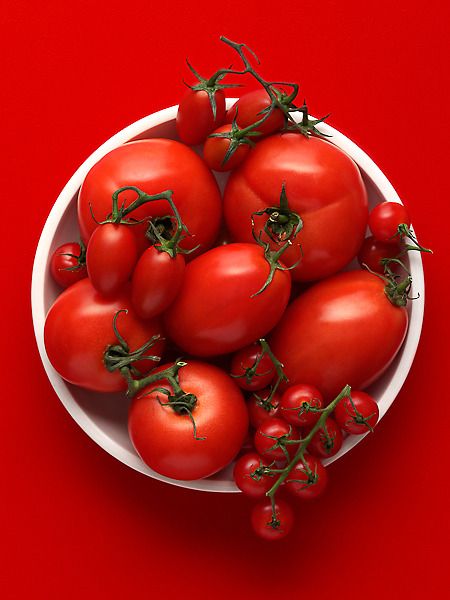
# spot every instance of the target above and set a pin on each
(104, 418)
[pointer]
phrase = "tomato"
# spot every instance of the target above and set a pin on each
(308, 478)
(247, 478)
(327, 441)
(165, 439)
(154, 166)
(258, 411)
(299, 405)
(373, 251)
(357, 415)
(250, 374)
(79, 329)
(384, 220)
(195, 119)
(68, 264)
(111, 255)
(343, 330)
(269, 438)
(216, 311)
(156, 281)
(262, 519)
(216, 148)
(250, 109)
(323, 186)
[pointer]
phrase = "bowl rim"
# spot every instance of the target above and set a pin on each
(69, 191)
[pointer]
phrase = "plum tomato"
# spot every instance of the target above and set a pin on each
(308, 478)
(195, 119)
(268, 528)
(300, 405)
(357, 414)
(249, 476)
(251, 369)
(68, 264)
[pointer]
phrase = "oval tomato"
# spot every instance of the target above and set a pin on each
(216, 311)
(79, 328)
(165, 439)
(323, 185)
(68, 264)
(250, 109)
(195, 119)
(341, 331)
(154, 166)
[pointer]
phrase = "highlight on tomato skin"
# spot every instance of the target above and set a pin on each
(268, 528)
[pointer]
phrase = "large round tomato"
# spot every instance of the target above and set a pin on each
(323, 185)
(154, 166)
(343, 330)
(164, 438)
(79, 329)
(216, 311)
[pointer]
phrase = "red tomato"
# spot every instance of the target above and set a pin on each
(358, 415)
(68, 264)
(308, 478)
(323, 185)
(79, 328)
(262, 519)
(327, 441)
(373, 251)
(250, 109)
(270, 435)
(299, 403)
(154, 166)
(246, 477)
(340, 331)
(165, 439)
(195, 119)
(216, 148)
(156, 281)
(110, 258)
(258, 412)
(215, 311)
(244, 372)
(384, 220)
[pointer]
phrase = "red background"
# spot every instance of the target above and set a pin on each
(77, 523)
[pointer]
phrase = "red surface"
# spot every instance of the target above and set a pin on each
(78, 524)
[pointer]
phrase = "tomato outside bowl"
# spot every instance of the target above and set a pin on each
(103, 417)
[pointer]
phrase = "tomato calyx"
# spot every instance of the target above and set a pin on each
(237, 137)
(355, 416)
(282, 223)
(80, 258)
(403, 232)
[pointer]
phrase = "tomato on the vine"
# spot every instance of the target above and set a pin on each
(68, 264)
(357, 414)
(373, 251)
(248, 376)
(259, 409)
(264, 524)
(249, 476)
(327, 441)
(385, 219)
(270, 438)
(195, 118)
(251, 108)
(301, 404)
(308, 478)
(216, 148)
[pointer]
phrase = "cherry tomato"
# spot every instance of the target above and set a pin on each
(216, 148)
(258, 412)
(154, 165)
(110, 258)
(299, 405)
(308, 478)
(373, 251)
(244, 372)
(263, 523)
(248, 479)
(165, 439)
(384, 220)
(357, 415)
(216, 311)
(327, 441)
(68, 264)
(323, 186)
(79, 328)
(270, 435)
(156, 281)
(343, 330)
(250, 109)
(195, 119)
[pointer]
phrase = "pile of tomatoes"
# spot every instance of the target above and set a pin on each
(248, 289)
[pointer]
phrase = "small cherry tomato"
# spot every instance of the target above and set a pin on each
(250, 109)
(308, 478)
(248, 475)
(269, 526)
(357, 414)
(373, 251)
(247, 372)
(300, 405)
(216, 149)
(259, 409)
(68, 264)
(269, 438)
(327, 441)
(385, 219)
(195, 119)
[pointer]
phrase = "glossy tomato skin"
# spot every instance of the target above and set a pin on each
(65, 265)
(154, 165)
(373, 251)
(299, 403)
(249, 110)
(165, 440)
(110, 258)
(245, 359)
(195, 119)
(256, 410)
(216, 148)
(262, 517)
(307, 481)
(215, 313)
(156, 281)
(327, 441)
(244, 476)
(358, 416)
(384, 220)
(323, 185)
(341, 331)
(266, 438)
(78, 329)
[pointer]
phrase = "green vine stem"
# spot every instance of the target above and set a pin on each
(266, 403)
(80, 258)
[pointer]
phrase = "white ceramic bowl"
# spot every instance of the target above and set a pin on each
(104, 418)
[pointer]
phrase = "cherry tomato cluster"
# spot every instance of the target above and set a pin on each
(270, 328)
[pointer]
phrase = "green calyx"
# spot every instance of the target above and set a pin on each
(80, 258)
